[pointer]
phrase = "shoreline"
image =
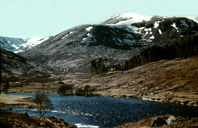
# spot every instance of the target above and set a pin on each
(16, 101)
(25, 102)
(22, 101)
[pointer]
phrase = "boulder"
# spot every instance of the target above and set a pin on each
(158, 122)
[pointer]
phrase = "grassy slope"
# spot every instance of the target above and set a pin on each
(166, 80)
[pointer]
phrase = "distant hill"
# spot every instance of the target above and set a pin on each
(14, 67)
(19, 44)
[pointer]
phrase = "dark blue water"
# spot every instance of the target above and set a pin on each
(107, 111)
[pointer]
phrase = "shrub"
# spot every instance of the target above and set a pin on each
(65, 89)
(42, 103)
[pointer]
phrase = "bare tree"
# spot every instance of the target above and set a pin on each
(42, 103)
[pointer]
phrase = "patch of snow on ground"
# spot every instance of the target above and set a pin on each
(156, 24)
(152, 37)
(141, 28)
(174, 26)
(183, 22)
(91, 36)
(64, 36)
(125, 22)
(34, 41)
(147, 29)
(71, 32)
(89, 28)
(16, 47)
(84, 39)
(135, 17)
(160, 32)
(194, 18)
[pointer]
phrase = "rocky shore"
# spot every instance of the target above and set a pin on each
(164, 121)
(13, 120)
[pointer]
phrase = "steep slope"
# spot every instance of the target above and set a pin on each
(115, 40)
(14, 67)
(18, 44)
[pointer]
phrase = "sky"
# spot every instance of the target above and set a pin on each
(42, 18)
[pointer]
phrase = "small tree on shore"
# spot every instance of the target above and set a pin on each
(42, 103)
(65, 89)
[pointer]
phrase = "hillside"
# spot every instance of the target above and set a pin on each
(172, 81)
(16, 68)
(73, 50)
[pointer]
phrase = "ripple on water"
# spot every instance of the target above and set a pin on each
(101, 112)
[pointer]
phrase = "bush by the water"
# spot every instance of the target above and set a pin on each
(66, 89)
(42, 103)
(86, 91)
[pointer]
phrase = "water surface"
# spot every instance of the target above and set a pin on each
(107, 111)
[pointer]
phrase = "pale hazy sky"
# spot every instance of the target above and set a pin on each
(41, 18)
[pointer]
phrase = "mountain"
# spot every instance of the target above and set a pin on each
(116, 40)
(19, 44)
(14, 67)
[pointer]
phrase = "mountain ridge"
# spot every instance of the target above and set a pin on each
(72, 50)
(19, 44)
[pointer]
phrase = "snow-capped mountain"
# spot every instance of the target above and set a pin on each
(126, 19)
(116, 39)
(19, 44)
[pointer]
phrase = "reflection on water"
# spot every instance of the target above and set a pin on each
(107, 111)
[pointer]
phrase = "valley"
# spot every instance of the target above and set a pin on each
(126, 56)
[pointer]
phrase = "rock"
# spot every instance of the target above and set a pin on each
(158, 99)
(140, 81)
(185, 102)
(170, 119)
(24, 113)
(158, 122)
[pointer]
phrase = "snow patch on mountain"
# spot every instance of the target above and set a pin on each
(31, 42)
(156, 24)
(89, 28)
(194, 18)
(17, 45)
(174, 26)
(132, 18)
(64, 36)
(160, 32)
